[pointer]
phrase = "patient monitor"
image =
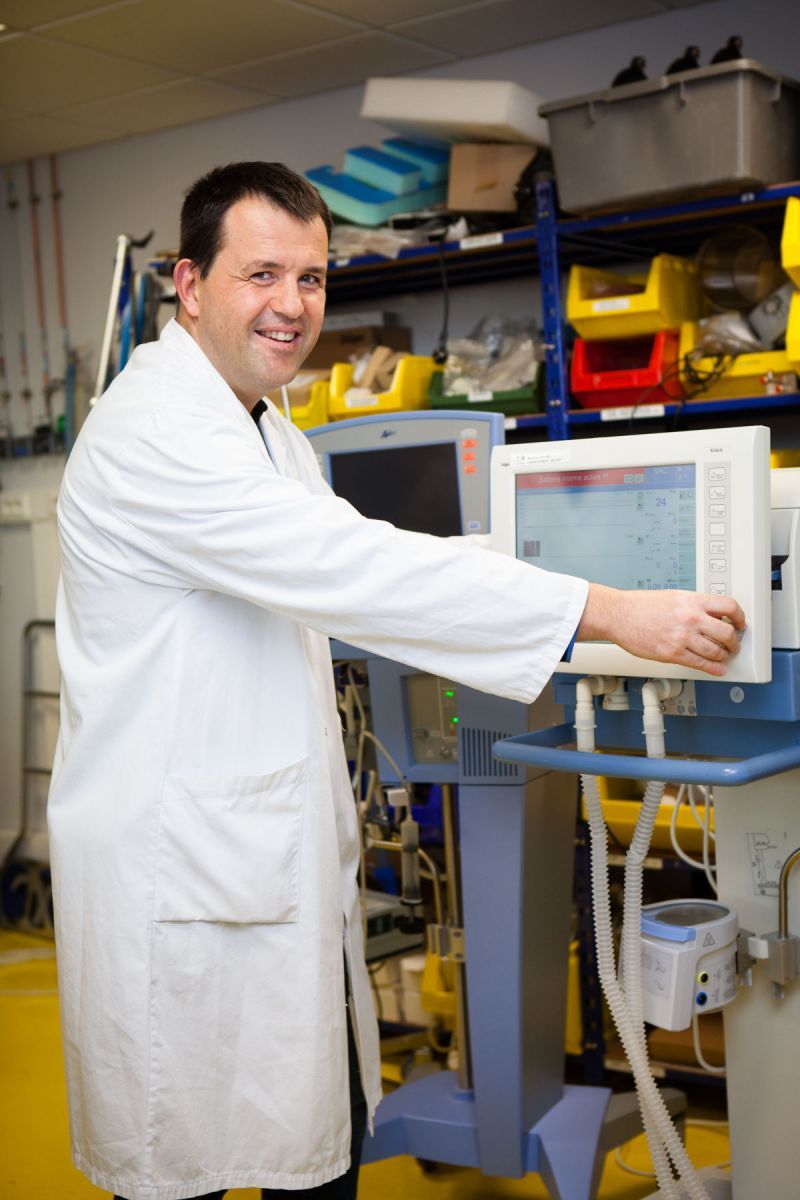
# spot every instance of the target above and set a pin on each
(423, 471)
(688, 510)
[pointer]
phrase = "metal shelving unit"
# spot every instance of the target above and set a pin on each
(545, 249)
(684, 223)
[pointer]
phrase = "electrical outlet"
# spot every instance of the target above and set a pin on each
(20, 508)
(15, 508)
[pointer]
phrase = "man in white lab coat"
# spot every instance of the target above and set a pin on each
(203, 832)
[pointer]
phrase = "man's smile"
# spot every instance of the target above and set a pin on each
(279, 335)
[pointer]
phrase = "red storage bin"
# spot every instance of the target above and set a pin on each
(627, 371)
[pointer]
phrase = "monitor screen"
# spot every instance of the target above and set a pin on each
(627, 527)
(414, 487)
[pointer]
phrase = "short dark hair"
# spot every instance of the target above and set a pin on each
(208, 200)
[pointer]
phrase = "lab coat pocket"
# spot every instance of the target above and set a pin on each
(229, 848)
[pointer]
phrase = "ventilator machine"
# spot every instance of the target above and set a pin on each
(693, 510)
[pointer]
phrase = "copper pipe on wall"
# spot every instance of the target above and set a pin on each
(34, 200)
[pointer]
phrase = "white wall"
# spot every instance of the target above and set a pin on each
(137, 184)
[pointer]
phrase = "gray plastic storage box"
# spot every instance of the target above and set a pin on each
(726, 128)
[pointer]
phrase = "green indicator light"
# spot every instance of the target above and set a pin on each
(454, 720)
(449, 693)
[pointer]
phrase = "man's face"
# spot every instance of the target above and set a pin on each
(259, 311)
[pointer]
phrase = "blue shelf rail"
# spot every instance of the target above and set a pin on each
(737, 405)
(740, 206)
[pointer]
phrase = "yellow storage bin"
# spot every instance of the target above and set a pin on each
(438, 989)
(308, 399)
(756, 374)
(621, 800)
(409, 389)
(604, 304)
(790, 241)
(573, 1030)
(793, 333)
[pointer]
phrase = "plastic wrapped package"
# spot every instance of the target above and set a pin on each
(726, 333)
(499, 355)
(496, 369)
(352, 241)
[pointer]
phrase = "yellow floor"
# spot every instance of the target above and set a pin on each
(35, 1162)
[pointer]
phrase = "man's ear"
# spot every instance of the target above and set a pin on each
(186, 277)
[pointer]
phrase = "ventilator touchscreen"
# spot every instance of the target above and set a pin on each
(686, 511)
(627, 527)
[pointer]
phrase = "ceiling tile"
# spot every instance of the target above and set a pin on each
(25, 14)
(383, 12)
(39, 76)
(500, 24)
(325, 67)
(29, 137)
(175, 103)
(176, 35)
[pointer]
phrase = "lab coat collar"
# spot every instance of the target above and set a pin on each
(178, 340)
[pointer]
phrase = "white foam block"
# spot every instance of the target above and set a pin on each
(456, 110)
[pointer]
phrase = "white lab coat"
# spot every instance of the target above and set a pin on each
(202, 828)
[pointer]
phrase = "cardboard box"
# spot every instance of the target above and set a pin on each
(344, 345)
(483, 176)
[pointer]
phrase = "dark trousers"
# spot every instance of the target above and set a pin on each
(346, 1186)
